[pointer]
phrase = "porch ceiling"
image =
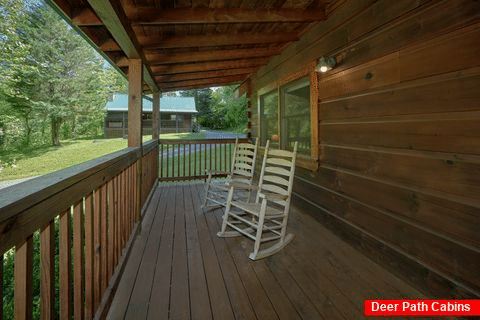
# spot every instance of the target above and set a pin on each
(188, 44)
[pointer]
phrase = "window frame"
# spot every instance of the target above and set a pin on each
(308, 70)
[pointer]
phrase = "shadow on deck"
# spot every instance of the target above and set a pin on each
(180, 269)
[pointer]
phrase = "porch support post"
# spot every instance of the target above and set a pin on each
(156, 115)
(135, 77)
(249, 108)
(135, 74)
(156, 125)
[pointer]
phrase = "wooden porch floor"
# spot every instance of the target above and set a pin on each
(180, 269)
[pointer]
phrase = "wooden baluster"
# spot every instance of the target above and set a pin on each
(195, 171)
(223, 157)
(124, 208)
(120, 212)
(135, 194)
(227, 156)
(24, 280)
(211, 147)
(230, 157)
(65, 266)
(205, 160)
(178, 160)
(89, 257)
(173, 160)
(127, 203)
(111, 233)
(161, 161)
(116, 213)
(47, 271)
(184, 161)
(78, 269)
(168, 160)
(104, 239)
(130, 200)
(97, 261)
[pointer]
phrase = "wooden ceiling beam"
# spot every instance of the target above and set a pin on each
(203, 82)
(203, 75)
(216, 40)
(210, 55)
(148, 15)
(117, 24)
(207, 66)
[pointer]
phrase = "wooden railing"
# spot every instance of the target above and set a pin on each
(191, 159)
(104, 198)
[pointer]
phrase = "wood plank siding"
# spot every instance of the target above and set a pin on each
(180, 269)
(398, 135)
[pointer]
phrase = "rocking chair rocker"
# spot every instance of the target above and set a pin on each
(266, 219)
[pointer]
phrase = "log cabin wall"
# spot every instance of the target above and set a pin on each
(399, 136)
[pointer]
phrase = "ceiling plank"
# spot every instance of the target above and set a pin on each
(148, 15)
(208, 66)
(216, 40)
(204, 75)
(210, 55)
(110, 45)
(86, 17)
(115, 21)
(203, 82)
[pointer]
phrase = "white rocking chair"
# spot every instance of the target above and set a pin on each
(242, 171)
(266, 219)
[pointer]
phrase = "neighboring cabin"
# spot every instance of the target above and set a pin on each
(176, 115)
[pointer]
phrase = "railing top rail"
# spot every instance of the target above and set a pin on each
(200, 141)
(149, 146)
(27, 206)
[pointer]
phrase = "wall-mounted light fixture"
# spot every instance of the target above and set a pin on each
(326, 63)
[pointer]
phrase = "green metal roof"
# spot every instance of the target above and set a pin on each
(167, 104)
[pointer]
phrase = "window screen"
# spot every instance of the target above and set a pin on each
(295, 115)
(269, 129)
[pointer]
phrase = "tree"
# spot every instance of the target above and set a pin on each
(17, 72)
(50, 75)
(203, 100)
(230, 112)
(71, 79)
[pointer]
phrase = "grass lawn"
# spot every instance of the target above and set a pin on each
(33, 162)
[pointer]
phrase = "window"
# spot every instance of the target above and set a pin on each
(269, 119)
(295, 115)
(292, 101)
(116, 124)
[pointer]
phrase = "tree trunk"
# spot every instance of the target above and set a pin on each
(73, 133)
(28, 133)
(56, 123)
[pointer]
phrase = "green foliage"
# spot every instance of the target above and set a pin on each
(51, 80)
(203, 100)
(219, 109)
(230, 111)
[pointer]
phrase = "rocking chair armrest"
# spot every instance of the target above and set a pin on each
(273, 196)
(240, 185)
